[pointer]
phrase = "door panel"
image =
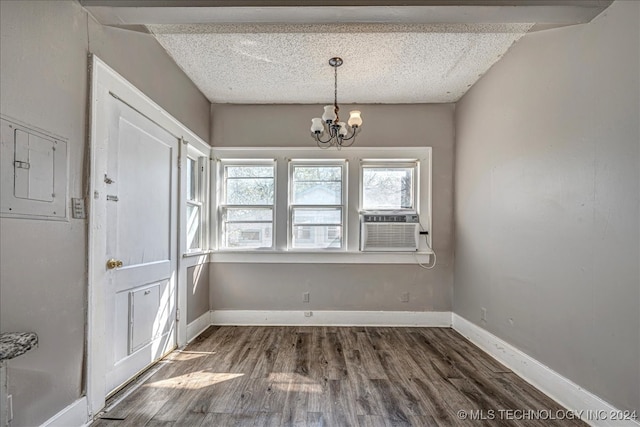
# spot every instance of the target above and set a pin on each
(144, 316)
(140, 294)
(145, 199)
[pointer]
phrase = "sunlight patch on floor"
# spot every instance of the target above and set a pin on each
(194, 380)
(183, 356)
(294, 382)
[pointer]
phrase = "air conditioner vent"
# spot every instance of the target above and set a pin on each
(397, 234)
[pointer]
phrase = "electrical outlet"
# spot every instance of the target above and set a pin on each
(404, 297)
(483, 314)
(308, 313)
(305, 297)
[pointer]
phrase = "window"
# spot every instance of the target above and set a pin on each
(389, 185)
(195, 198)
(293, 204)
(247, 205)
(316, 204)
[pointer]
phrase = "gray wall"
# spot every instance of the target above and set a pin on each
(342, 286)
(547, 202)
(197, 291)
(43, 278)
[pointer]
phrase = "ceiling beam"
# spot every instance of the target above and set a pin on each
(299, 3)
(149, 12)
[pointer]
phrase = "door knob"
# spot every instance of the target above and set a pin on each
(114, 263)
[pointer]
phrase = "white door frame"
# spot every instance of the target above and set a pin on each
(105, 82)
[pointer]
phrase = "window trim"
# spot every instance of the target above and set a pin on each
(202, 199)
(351, 253)
(344, 165)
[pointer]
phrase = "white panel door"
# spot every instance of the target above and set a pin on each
(141, 239)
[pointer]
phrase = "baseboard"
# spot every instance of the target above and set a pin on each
(75, 414)
(198, 326)
(590, 407)
(331, 318)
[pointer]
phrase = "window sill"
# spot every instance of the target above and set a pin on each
(287, 257)
(198, 253)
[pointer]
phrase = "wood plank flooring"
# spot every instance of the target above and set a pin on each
(333, 376)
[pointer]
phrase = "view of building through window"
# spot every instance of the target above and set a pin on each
(247, 212)
(316, 206)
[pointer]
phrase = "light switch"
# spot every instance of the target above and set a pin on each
(77, 209)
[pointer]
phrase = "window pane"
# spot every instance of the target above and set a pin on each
(248, 235)
(193, 227)
(317, 216)
(251, 227)
(249, 171)
(250, 191)
(234, 215)
(317, 185)
(387, 188)
(317, 173)
(317, 236)
(191, 179)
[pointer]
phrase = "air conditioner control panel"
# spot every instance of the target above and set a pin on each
(376, 217)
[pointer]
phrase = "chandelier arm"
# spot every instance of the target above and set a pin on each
(321, 141)
(353, 140)
(353, 135)
(333, 130)
(323, 146)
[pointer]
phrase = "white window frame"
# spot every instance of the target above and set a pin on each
(344, 165)
(222, 205)
(201, 199)
(350, 254)
(392, 163)
(200, 154)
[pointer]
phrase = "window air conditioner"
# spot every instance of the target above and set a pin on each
(386, 232)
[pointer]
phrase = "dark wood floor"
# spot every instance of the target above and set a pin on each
(332, 376)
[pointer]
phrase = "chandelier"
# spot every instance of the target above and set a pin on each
(337, 132)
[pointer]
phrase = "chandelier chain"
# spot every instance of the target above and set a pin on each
(335, 90)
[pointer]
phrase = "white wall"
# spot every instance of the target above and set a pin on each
(547, 202)
(342, 286)
(43, 279)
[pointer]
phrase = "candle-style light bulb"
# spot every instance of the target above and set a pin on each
(354, 118)
(343, 131)
(317, 126)
(329, 115)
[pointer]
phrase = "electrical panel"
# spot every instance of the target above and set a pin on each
(34, 169)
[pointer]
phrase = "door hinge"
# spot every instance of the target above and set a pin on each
(177, 314)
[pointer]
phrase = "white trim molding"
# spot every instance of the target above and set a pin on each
(105, 84)
(331, 318)
(592, 409)
(75, 414)
(198, 326)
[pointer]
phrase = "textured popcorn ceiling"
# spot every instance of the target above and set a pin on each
(383, 63)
